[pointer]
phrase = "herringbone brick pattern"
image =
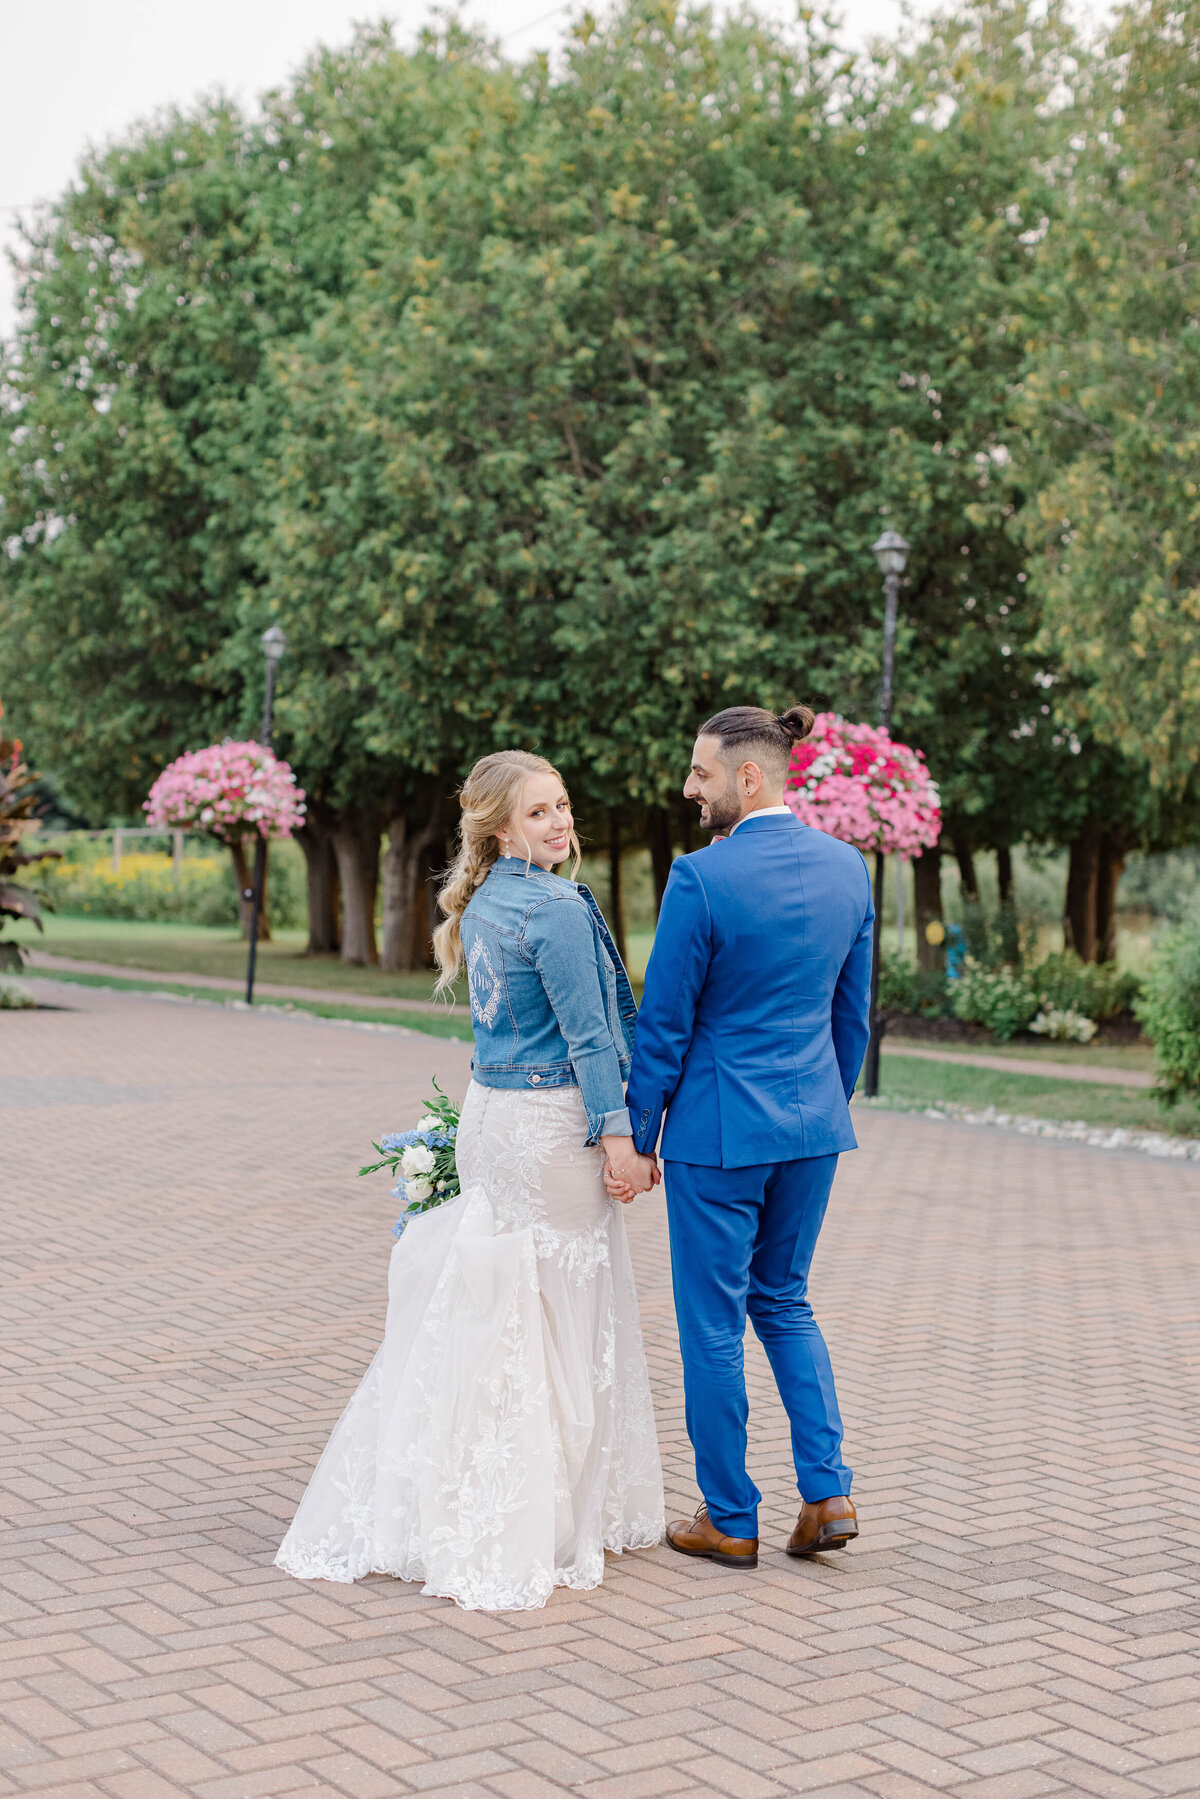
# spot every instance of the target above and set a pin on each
(193, 1282)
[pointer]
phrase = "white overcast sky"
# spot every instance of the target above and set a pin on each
(78, 72)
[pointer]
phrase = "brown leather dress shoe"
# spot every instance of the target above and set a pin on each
(829, 1524)
(700, 1536)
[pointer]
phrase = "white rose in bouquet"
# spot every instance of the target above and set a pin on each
(424, 1176)
(417, 1160)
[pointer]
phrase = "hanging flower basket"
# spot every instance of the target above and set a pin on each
(234, 792)
(858, 784)
(230, 790)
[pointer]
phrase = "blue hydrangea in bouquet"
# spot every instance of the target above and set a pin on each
(423, 1159)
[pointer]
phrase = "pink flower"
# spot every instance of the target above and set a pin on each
(857, 783)
(228, 790)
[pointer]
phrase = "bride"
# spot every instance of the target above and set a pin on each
(503, 1437)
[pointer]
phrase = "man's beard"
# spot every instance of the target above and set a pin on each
(723, 814)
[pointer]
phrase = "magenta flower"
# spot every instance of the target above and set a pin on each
(858, 784)
(229, 790)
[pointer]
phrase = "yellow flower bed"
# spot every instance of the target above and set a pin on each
(139, 864)
(146, 886)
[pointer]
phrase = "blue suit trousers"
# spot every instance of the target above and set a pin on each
(742, 1240)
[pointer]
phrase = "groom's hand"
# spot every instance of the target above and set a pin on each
(627, 1174)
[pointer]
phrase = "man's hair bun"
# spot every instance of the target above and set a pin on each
(797, 721)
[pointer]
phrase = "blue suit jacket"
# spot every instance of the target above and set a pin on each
(755, 1018)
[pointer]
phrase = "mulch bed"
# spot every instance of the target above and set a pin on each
(1123, 1031)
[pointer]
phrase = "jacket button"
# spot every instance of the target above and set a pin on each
(534, 1079)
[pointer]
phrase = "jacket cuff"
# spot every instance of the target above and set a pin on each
(615, 1124)
(644, 1130)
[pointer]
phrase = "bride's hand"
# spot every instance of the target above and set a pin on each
(627, 1174)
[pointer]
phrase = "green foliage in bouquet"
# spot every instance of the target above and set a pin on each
(423, 1159)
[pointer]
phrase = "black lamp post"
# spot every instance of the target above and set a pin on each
(274, 643)
(891, 553)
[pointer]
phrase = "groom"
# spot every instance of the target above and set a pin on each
(750, 1039)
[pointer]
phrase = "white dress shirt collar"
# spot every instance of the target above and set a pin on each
(764, 812)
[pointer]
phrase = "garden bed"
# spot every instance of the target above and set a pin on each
(1123, 1030)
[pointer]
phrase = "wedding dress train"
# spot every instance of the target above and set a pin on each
(503, 1437)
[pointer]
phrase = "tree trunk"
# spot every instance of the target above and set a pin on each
(425, 915)
(965, 858)
(1079, 913)
(1097, 858)
(1004, 875)
(356, 846)
(1008, 924)
(322, 880)
(616, 897)
(243, 874)
(1110, 861)
(406, 919)
(658, 836)
(927, 894)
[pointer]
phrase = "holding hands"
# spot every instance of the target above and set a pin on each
(627, 1174)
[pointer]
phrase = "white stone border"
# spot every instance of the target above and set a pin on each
(1141, 1143)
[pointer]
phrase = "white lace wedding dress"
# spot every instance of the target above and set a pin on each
(503, 1437)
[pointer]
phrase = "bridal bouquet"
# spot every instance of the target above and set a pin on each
(423, 1158)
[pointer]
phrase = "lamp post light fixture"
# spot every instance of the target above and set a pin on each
(891, 553)
(274, 643)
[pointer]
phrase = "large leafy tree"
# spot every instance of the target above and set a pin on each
(140, 339)
(628, 381)
(140, 400)
(1116, 521)
(1112, 519)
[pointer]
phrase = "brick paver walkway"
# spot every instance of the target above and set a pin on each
(193, 1282)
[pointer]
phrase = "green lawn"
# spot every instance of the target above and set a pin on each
(1138, 1056)
(905, 1081)
(183, 949)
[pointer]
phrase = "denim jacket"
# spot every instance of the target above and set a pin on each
(551, 1004)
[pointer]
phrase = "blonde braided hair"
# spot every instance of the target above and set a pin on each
(489, 796)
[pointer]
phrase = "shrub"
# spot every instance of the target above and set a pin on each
(144, 888)
(1061, 987)
(995, 939)
(1093, 989)
(1170, 1011)
(918, 992)
(1002, 999)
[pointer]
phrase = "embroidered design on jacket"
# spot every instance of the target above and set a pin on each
(484, 984)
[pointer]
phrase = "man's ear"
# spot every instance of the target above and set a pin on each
(750, 779)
